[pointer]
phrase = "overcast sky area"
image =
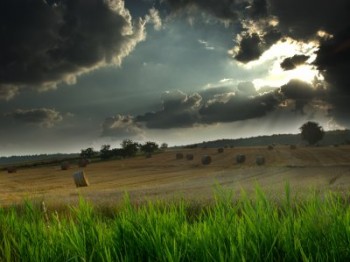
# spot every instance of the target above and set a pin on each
(82, 73)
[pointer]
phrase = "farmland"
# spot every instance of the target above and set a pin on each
(165, 177)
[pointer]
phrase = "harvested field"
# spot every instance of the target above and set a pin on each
(164, 176)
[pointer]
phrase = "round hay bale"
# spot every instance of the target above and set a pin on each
(179, 156)
(240, 159)
(80, 179)
(83, 162)
(270, 147)
(148, 155)
(206, 160)
(260, 160)
(189, 156)
(293, 147)
(65, 165)
(220, 150)
(11, 169)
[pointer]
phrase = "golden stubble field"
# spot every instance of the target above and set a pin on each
(165, 177)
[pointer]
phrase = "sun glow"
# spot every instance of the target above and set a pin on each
(273, 58)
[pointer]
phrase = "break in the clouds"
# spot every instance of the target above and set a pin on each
(44, 117)
(291, 63)
(48, 42)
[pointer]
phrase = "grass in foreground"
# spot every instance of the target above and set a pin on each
(316, 229)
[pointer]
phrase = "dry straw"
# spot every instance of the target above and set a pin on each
(189, 156)
(179, 156)
(80, 179)
(206, 160)
(240, 159)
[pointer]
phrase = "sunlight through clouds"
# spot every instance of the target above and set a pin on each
(276, 54)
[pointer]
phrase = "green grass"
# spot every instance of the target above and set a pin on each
(313, 229)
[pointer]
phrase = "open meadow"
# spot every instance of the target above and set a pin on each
(164, 177)
(295, 207)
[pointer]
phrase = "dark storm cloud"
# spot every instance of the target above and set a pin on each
(301, 92)
(226, 10)
(121, 126)
(43, 117)
(302, 19)
(238, 108)
(250, 48)
(252, 45)
(291, 63)
(44, 43)
(178, 110)
(333, 60)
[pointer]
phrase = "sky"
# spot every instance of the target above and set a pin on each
(83, 73)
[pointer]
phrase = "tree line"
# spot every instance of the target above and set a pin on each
(128, 148)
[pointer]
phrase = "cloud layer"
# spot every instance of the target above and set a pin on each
(44, 117)
(48, 42)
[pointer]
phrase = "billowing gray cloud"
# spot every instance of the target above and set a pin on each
(44, 117)
(48, 42)
(238, 108)
(255, 38)
(333, 60)
(291, 63)
(178, 110)
(301, 92)
(121, 126)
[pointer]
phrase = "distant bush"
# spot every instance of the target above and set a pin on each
(220, 150)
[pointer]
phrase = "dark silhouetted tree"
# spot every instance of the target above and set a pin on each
(87, 153)
(311, 132)
(149, 147)
(164, 146)
(130, 147)
(105, 152)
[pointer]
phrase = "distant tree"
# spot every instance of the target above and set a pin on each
(87, 153)
(312, 132)
(130, 147)
(105, 152)
(164, 146)
(118, 152)
(149, 147)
